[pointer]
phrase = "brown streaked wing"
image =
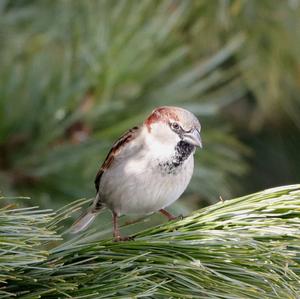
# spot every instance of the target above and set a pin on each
(117, 146)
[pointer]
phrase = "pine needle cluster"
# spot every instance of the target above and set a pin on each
(246, 247)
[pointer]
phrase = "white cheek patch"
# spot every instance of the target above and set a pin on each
(162, 133)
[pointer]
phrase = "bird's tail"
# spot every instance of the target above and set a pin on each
(83, 222)
(87, 218)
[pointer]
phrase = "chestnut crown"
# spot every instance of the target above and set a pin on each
(172, 124)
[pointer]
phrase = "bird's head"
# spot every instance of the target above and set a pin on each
(171, 125)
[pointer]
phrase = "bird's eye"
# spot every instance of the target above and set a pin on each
(175, 126)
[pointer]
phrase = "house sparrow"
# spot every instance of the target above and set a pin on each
(147, 168)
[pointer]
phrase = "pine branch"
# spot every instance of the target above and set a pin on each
(242, 248)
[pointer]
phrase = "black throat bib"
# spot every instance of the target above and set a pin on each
(182, 151)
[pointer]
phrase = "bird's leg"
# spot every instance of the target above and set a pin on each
(169, 215)
(116, 232)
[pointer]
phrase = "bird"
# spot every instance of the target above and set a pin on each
(147, 169)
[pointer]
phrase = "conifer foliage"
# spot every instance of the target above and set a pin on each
(246, 247)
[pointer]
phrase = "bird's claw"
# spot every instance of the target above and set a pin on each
(122, 239)
(179, 217)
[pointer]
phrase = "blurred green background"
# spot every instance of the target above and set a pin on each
(74, 75)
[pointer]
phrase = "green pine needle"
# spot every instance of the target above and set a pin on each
(247, 247)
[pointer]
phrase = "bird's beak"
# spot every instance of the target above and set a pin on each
(193, 138)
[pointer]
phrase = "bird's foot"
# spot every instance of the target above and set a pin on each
(170, 216)
(179, 217)
(122, 239)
